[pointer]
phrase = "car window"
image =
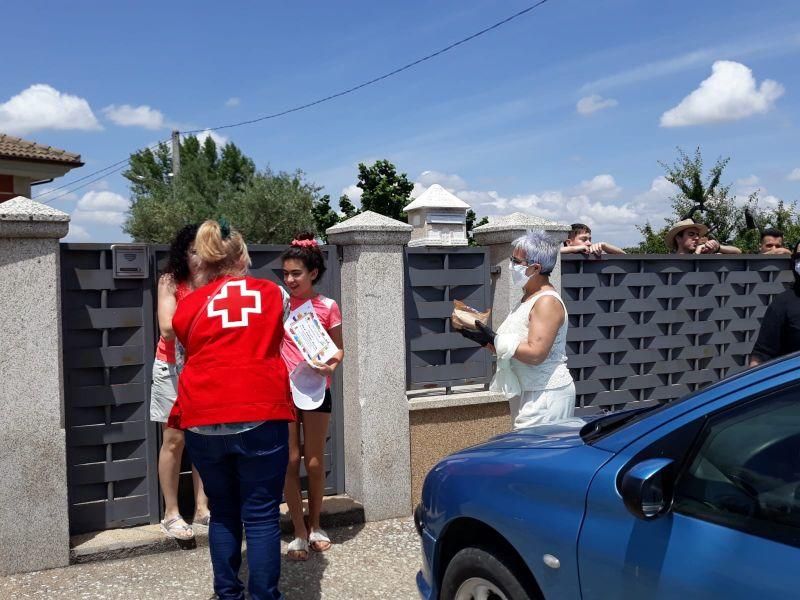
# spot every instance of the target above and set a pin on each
(746, 471)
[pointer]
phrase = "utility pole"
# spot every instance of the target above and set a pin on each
(176, 153)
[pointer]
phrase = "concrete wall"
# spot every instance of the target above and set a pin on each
(34, 529)
(441, 425)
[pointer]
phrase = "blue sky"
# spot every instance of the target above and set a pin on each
(562, 113)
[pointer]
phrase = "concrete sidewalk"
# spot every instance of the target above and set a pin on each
(337, 511)
(372, 560)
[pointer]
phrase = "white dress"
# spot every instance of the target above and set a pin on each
(543, 393)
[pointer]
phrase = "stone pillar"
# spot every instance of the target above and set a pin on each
(498, 235)
(34, 526)
(376, 428)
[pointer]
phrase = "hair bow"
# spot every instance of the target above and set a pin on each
(305, 243)
(225, 228)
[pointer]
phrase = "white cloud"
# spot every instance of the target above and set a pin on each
(102, 200)
(600, 185)
(794, 175)
(660, 190)
(589, 202)
(101, 206)
(769, 201)
(748, 181)
(41, 106)
(450, 182)
(729, 94)
(219, 140)
(232, 102)
(353, 192)
(77, 234)
(591, 104)
(135, 116)
(747, 186)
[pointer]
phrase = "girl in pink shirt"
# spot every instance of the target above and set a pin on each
(303, 266)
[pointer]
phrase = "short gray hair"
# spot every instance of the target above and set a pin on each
(539, 248)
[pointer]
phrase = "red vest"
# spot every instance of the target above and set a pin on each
(232, 330)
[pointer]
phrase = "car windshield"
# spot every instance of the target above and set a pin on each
(599, 427)
(603, 425)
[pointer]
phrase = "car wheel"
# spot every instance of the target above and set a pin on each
(481, 574)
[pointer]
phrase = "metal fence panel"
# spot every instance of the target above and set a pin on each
(654, 328)
(435, 355)
(108, 346)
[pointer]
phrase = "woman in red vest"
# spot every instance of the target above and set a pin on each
(235, 405)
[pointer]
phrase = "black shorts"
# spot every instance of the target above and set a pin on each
(326, 405)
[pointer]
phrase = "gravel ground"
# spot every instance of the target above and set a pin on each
(374, 560)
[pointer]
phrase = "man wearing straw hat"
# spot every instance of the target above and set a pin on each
(688, 237)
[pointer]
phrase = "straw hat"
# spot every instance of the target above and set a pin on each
(680, 227)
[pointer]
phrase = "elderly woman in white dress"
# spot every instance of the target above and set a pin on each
(531, 343)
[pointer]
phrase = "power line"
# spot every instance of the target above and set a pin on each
(376, 79)
(83, 185)
(92, 174)
(300, 107)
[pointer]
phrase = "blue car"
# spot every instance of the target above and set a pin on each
(699, 498)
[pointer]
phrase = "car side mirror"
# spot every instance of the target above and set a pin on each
(646, 488)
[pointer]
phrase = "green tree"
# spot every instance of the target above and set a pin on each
(652, 242)
(266, 207)
(324, 216)
(272, 207)
(707, 200)
(162, 203)
(347, 207)
(384, 191)
(472, 224)
(730, 220)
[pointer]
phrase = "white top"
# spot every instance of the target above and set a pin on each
(553, 372)
(436, 197)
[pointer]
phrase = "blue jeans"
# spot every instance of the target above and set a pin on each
(243, 477)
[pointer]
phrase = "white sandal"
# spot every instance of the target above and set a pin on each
(319, 536)
(177, 528)
(297, 545)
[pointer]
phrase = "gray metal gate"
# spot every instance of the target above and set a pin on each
(109, 338)
(435, 355)
(109, 329)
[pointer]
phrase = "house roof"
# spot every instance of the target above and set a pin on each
(14, 148)
(436, 197)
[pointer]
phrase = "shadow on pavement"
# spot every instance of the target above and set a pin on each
(302, 580)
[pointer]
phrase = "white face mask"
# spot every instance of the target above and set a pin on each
(797, 267)
(518, 276)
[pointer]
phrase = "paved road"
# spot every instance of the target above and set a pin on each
(375, 560)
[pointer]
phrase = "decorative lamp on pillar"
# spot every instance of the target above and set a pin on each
(439, 218)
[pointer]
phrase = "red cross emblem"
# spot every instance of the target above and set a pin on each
(234, 303)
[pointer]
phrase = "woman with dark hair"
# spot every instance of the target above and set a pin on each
(780, 326)
(234, 403)
(178, 280)
(303, 266)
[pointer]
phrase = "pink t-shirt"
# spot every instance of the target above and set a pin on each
(328, 314)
